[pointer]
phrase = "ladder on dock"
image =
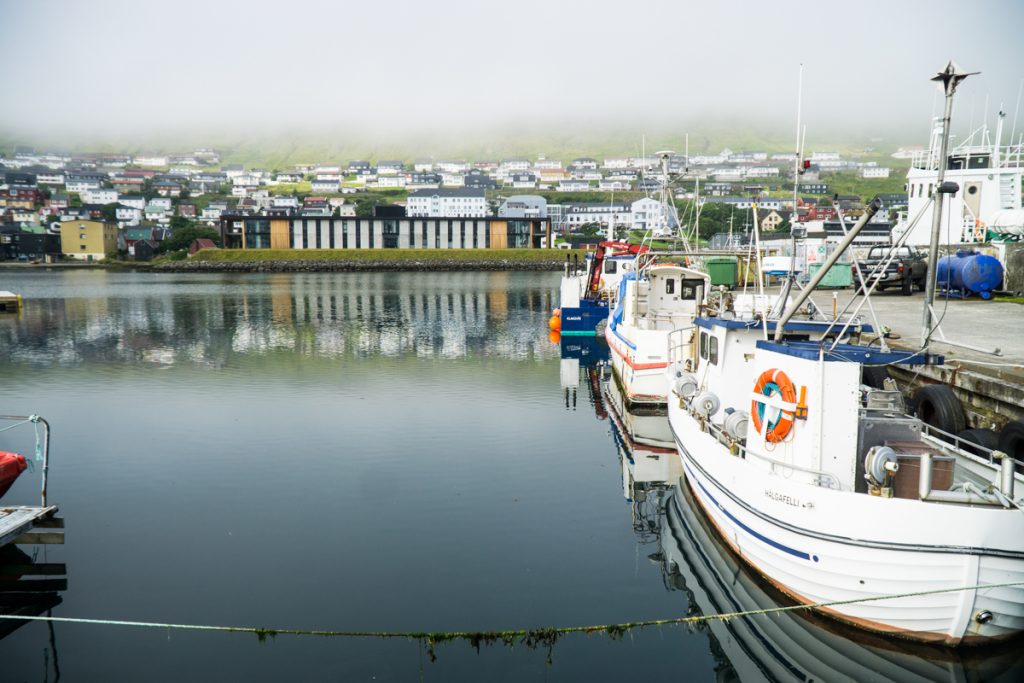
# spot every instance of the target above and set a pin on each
(32, 524)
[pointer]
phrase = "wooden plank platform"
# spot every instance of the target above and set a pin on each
(18, 521)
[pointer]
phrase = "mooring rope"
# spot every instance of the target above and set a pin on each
(530, 636)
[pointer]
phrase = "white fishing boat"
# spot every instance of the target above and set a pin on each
(827, 488)
(652, 302)
(586, 287)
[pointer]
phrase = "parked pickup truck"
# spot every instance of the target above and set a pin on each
(907, 269)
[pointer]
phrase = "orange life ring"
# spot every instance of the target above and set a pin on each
(773, 382)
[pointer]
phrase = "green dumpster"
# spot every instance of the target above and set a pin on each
(722, 270)
(839, 275)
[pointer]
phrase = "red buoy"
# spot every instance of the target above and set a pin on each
(11, 465)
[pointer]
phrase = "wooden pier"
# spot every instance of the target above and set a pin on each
(21, 524)
(10, 302)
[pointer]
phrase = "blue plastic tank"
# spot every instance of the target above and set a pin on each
(969, 272)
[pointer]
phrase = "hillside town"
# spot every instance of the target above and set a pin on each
(92, 207)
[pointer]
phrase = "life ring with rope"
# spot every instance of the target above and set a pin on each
(773, 382)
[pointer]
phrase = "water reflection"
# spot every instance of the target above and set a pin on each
(163, 320)
(29, 587)
(582, 360)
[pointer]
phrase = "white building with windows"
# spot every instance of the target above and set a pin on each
(447, 202)
(875, 172)
(99, 196)
(650, 215)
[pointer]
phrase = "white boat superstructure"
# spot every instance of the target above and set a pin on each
(988, 174)
(651, 303)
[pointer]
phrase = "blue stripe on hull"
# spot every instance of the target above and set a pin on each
(759, 536)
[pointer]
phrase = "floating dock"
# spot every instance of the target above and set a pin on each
(10, 302)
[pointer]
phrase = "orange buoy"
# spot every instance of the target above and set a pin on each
(555, 323)
(554, 336)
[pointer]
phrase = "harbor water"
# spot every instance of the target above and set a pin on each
(365, 452)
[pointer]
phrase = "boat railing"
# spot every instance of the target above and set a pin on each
(42, 445)
(677, 344)
(953, 444)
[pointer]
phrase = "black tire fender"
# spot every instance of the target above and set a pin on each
(986, 438)
(939, 407)
(1011, 439)
(874, 375)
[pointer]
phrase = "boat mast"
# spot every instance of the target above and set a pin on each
(796, 175)
(950, 77)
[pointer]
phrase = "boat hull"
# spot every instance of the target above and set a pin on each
(825, 546)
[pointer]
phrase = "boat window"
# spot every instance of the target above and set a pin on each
(670, 286)
(911, 190)
(610, 266)
(690, 289)
(713, 351)
(704, 345)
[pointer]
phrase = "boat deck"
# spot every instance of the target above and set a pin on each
(17, 524)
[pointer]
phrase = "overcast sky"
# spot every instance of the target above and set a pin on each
(139, 69)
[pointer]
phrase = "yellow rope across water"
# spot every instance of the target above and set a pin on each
(530, 636)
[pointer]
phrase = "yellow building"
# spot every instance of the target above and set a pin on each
(88, 240)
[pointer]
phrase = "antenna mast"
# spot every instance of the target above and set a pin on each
(950, 77)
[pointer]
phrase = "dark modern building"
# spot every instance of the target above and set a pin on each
(314, 232)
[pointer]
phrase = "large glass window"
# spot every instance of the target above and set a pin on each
(257, 233)
(390, 234)
(519, 234)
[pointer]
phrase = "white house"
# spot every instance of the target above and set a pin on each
(152, 160)
(391, 181)
(321, 185)
(52, 178)
(875, 172)
(573, 185)
(453, 166)
(617, 162)
(447, 202)
(285, 202)
(160, 202)
(423, 166)
(649, 214)
(133, 201)
(453, 179)
(81, 185)
(99, 196)
(128, 214)
(600, 213)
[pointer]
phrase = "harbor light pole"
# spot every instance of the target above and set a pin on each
(950, 77)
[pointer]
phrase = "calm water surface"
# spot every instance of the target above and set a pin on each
(350, 452)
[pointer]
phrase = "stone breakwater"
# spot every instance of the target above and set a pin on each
(325, 266)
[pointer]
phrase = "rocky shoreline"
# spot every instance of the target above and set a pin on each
(342, 266)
